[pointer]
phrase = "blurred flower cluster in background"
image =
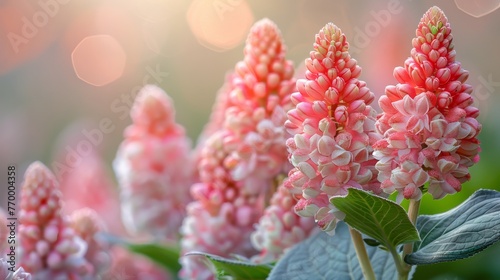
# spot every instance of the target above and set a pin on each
(71, 69)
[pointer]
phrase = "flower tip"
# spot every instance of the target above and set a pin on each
(435, 17)
(151, 101)
(86, 222)
(153, 108)
(330, 35)
(265, 23)
(264, 28)
(435, 11)
(37, 173)
(329, 29)
(36, 166)
(330, 26)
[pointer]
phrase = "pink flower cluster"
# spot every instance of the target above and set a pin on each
(242, 157)
(231, 196)
(333, 129)
(50, 247)
(256, 109)
(56, 246)
(87, 224)
(154, 167)
(220, 219)
(428, 123)
(280, 227)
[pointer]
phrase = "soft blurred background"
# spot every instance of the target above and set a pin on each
(69, 70)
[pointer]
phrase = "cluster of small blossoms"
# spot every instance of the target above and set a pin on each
(325, 137)
(240, 161)
(221, 218)
(428, 122)
(154, 167)
(255, 108)
(280, 227)
(50, 248)
(262, 85)
(333, 129)
(87, 224)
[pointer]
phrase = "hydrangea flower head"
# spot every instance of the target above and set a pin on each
(333, 128)
(428, 123)
(154, 167)
(50, 248)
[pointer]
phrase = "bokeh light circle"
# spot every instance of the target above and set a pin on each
(98, 60)
(478, 8)
(220, 25)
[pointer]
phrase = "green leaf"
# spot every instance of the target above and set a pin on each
(459, 233)
(237, 269)
(165, 256)
(322, 256)
(377, 217)
(371, 242)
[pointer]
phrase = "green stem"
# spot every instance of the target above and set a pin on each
(408, 248)
(400, 264)
(402, 267)
(412, 214)
(364, 260)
